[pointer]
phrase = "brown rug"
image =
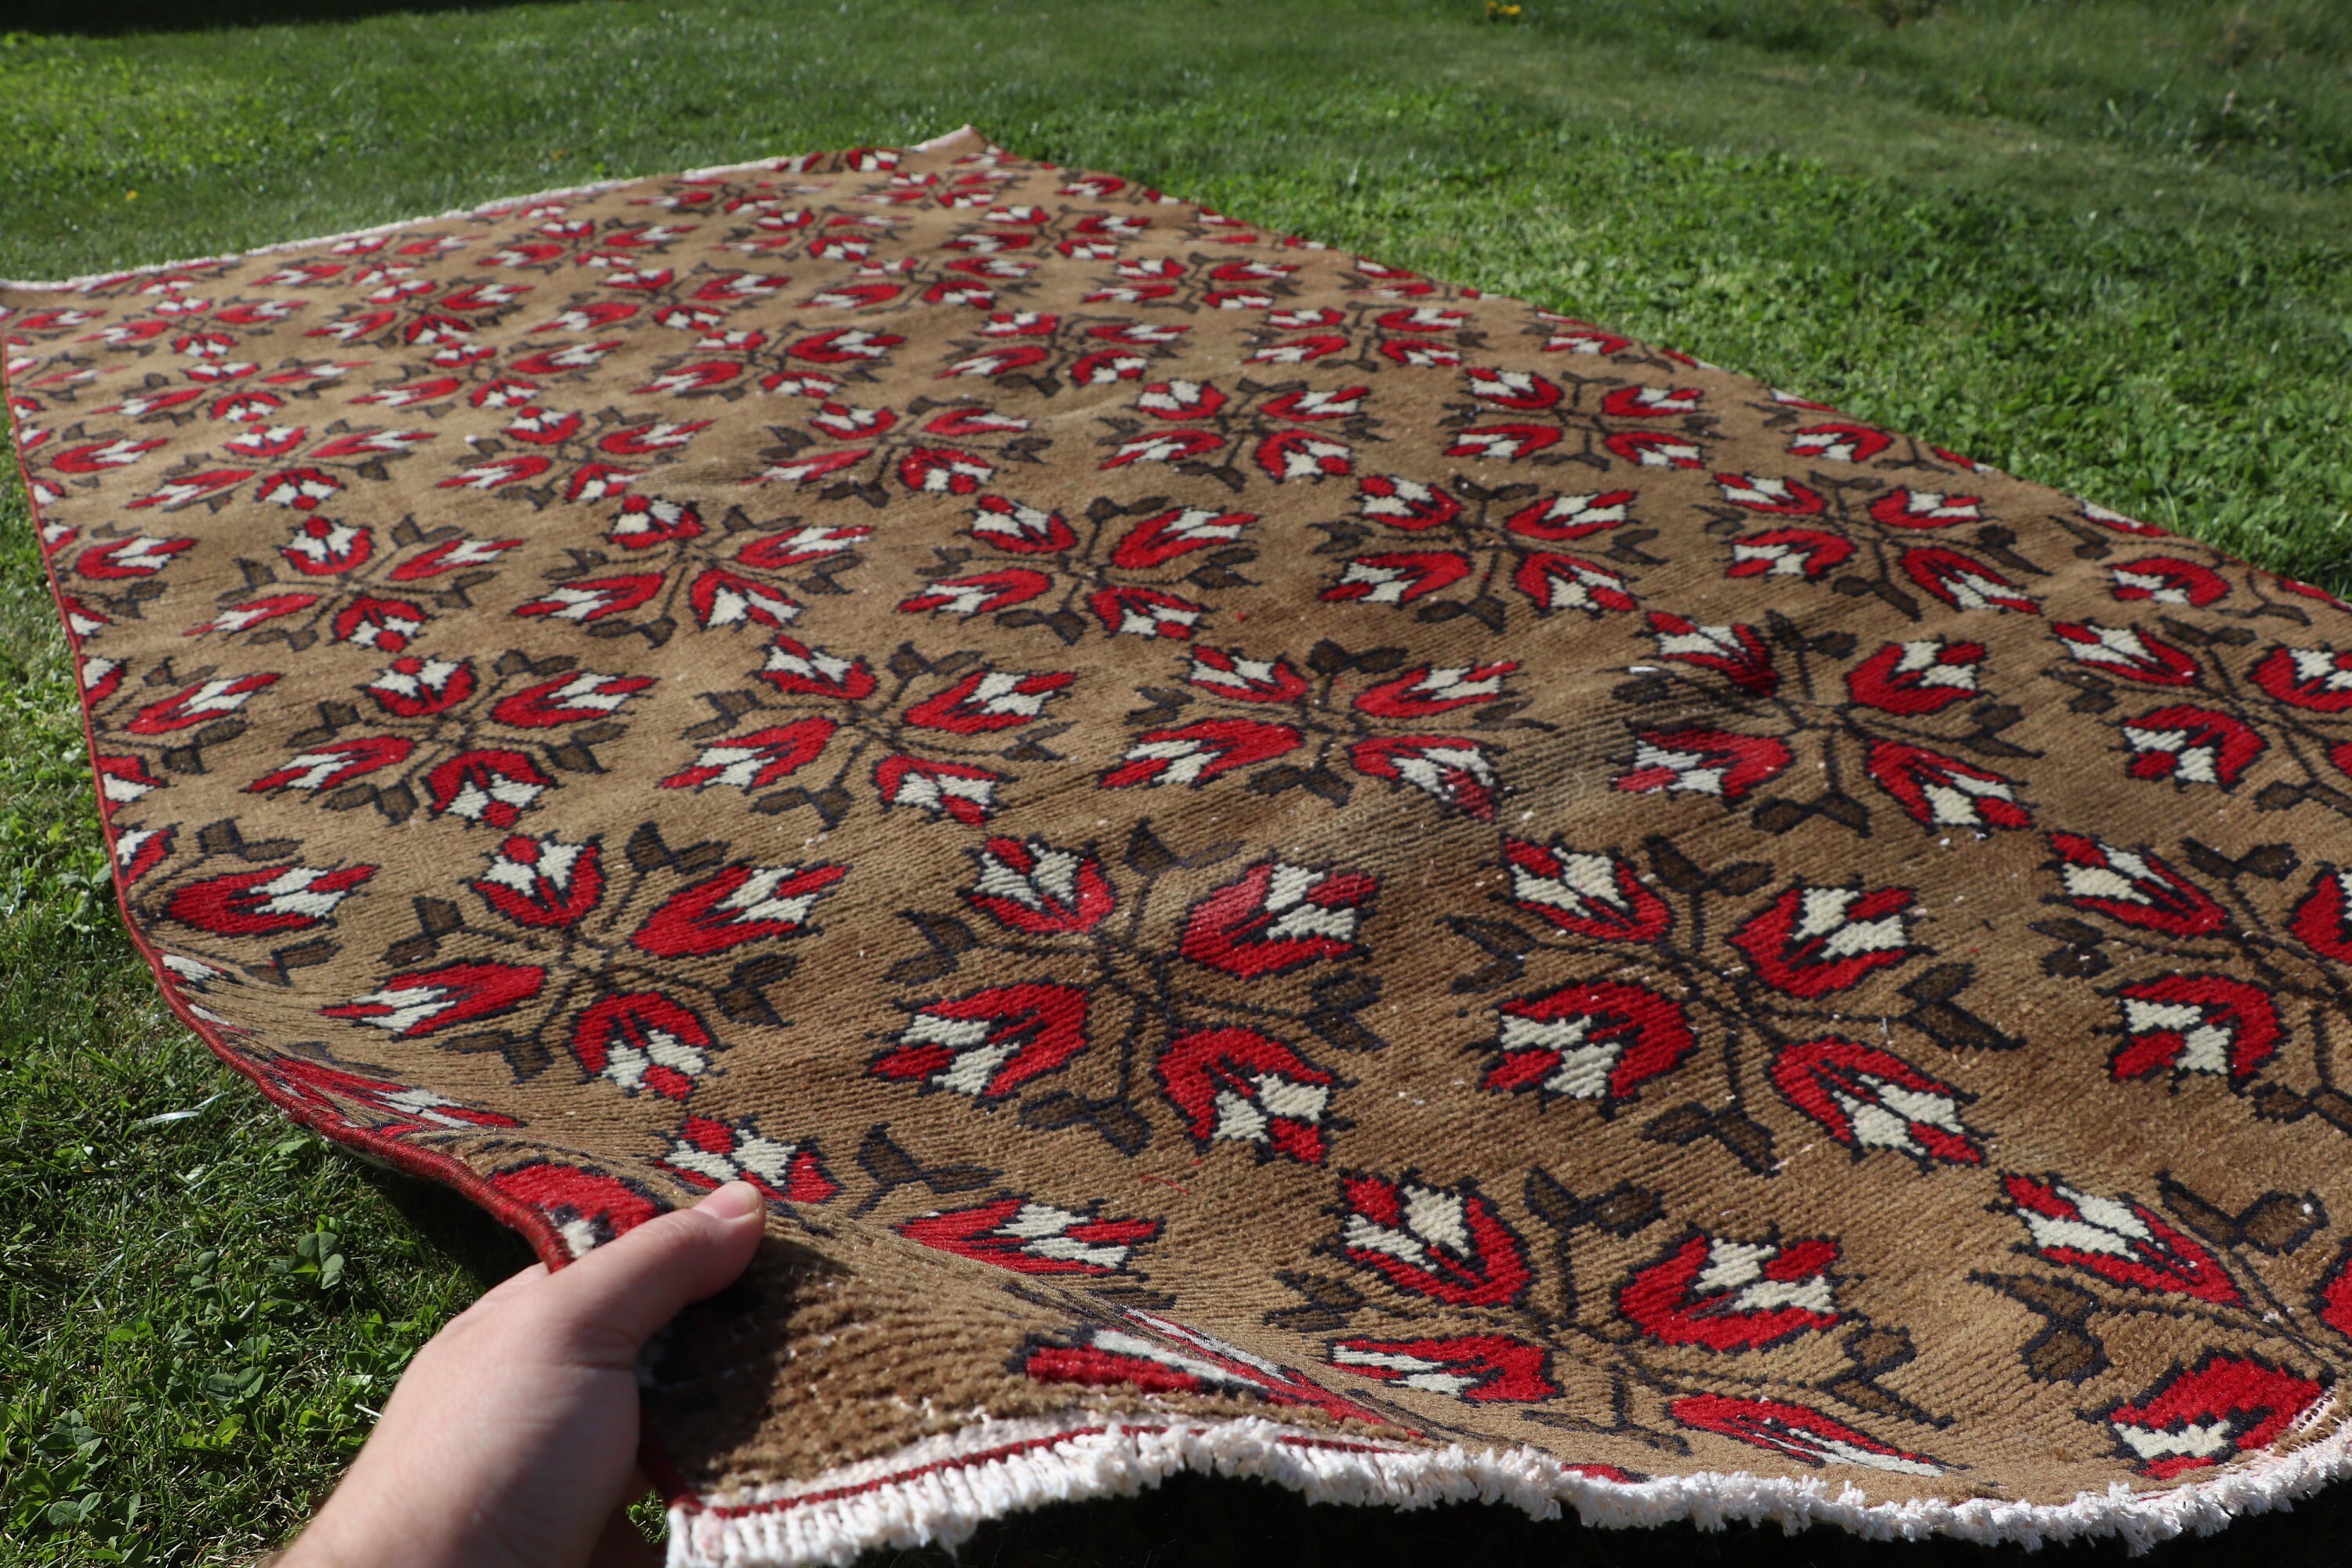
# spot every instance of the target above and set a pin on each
(1277, 866)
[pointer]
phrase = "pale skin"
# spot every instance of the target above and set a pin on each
(511, 1441)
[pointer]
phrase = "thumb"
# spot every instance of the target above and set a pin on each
(624, 1291)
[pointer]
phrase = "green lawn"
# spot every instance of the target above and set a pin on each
(2102, 244)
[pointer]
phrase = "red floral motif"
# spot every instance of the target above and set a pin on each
(136, 557)
(646, 521)
(1448, 1244)
(1868, 1098)
(1239, 1085)
(584, 1208)
(1964, 583)
(2196, 1024)
(269, 900)
(1918, 678)
(589, 600)
(1837, 441)
(573, 700)
(1704, 761)
(742, 903)
(201, 704)
(414, 686)
(2128, 653)
(1583, 893)
(2191, 745)
(989, 700)
(1727, 1295)
(1033, 1238)
(1037, 887)
(1455, 772)
(139, 851)
(2212, 1413)
(425, 1002)
(1421, 692)
(1598, 1039)
(2323, 920)
(542, 882)
(1900, 508)
(990, 1042)
(2167, 580)
(756, 760)
(1795, 1432)
(1560, 518)
(796, 669)
(709, 1153)
(643, 1040)
(1655, 449)
(1735, 652)
(1276, 918)
(978, 594)
(382, 1106)
(1944, 792)
(2118, 1239)
(1777, 497)
(1809, 941)
(956, 790)
(1805, 553)
(1155, 1354)
(2133, 886)
(2316, 680)
(1484, 1369)
(1397, 577)
(1168, 535)
(1195, 753)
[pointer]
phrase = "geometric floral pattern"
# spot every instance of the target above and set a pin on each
(1224, 830)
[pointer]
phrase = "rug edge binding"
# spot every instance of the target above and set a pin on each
(940, 1491)
(963, 137)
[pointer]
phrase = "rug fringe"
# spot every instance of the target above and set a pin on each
(940, 1491)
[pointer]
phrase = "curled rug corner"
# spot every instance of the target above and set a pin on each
(1277, 866)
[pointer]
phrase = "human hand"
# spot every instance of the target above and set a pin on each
(512, 1441)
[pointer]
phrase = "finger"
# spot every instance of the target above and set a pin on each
(513, 1285)
(506, 1290)
(629, 1289)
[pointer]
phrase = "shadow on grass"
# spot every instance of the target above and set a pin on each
(1192, 1522)
(109, 20)
(486, 1250)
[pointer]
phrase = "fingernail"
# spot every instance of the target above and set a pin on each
(736, 1200)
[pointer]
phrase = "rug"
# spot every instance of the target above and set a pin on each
(1276, 866)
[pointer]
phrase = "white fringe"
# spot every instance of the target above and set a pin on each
(939, 1490)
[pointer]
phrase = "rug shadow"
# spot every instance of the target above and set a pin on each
(486, 1250)
(1195, 1522)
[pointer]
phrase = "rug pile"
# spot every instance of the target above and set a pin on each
(1276, 866)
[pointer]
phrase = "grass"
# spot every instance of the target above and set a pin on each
(2105, 244)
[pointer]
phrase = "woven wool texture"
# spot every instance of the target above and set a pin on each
(1274, 864)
